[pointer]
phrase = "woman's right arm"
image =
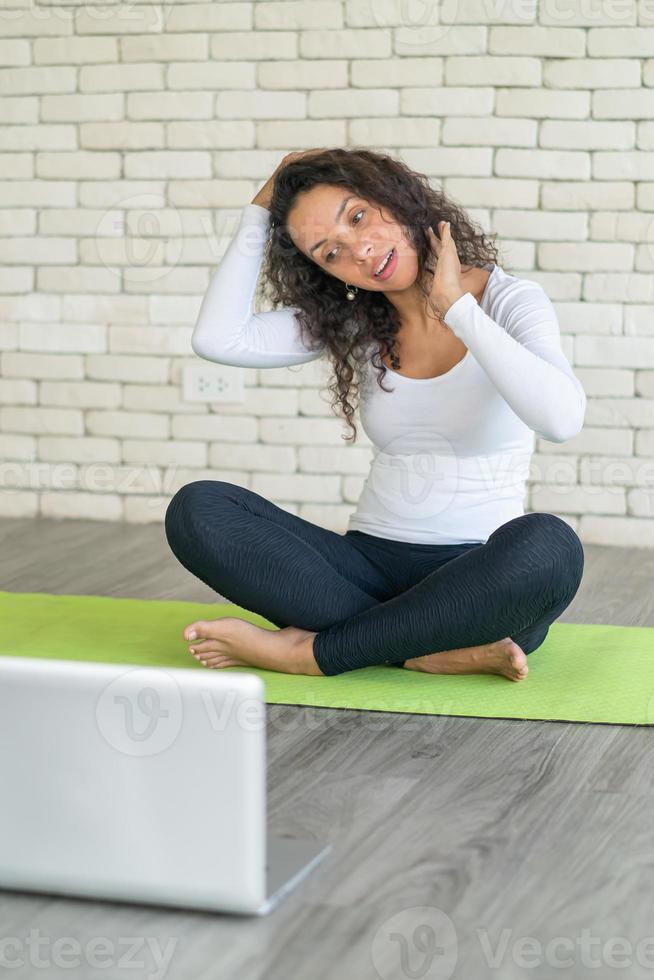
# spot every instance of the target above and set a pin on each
(227, 329)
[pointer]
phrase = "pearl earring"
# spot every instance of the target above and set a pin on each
(352, 291)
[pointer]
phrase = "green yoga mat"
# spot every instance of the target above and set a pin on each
(589, 673)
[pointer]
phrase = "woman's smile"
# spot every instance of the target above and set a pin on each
(389, 267)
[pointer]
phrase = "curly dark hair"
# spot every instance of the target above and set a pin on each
(326, 318)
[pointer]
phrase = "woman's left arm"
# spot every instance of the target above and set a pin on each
(524, 359)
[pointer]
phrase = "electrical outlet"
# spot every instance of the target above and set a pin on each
(213, 383)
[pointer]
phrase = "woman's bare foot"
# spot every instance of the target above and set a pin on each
(233, 642)
(503, 657)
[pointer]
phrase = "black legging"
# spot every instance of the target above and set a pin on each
(372, 600)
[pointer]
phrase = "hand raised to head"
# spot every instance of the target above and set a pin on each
(446, 286)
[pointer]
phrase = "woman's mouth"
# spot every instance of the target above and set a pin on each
(389, 267)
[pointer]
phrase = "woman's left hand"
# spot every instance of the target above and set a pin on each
(446, 285)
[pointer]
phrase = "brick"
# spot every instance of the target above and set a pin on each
(81, 506)
(470, 131)
(255, 45)
(227, 18)
(586, 256)
(217, 134)
(439, 39)
(236, 428)
(123, 136)
(587, 134)
(169, 105)
(82, 108)
(543, 103)
(626, 532)
(68, 367)
(396, 131)
(301, 133)
(18, 503)
(27, 81)
(587, 195)
(21, 109)
(592, 439)
(619, 41)
(116, 367)
(301, 487)
(168, 163)
(160, 453)
(634, 352)
(636, 165)
(612, 104)
(15, 53)
(538, 225)
(292, 75)
(60, 421)
(622, 226)
(83, 394)
(80, 164)
(341, 43)
(619, 287)
(261, 105)
(163, 47)
(571, 164)
(616, 471)
(601, 73)
(18, 392)
(449, 101)
(274, 459)
(395, 72)
(495, 193)
(85, 449)
(212, 75)
(571, 13)
(590, 318)
(548, 468)
(20, 447)
(492, 70)
(292, 15)
(359, 102)
(327, 460)
(578, 500)
(143, 425)
(641, 502)
(621, 412)
(542, 42)
(105, 78)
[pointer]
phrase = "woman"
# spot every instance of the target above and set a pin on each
(440, 569)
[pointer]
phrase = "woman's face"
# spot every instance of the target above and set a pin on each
(349, 237)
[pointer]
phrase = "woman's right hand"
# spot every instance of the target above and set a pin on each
(264, 196)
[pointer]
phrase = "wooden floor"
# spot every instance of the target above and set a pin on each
(454, 839)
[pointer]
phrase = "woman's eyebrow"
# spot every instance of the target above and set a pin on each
(338, 214)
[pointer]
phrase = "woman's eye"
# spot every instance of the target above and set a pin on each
(327, 258)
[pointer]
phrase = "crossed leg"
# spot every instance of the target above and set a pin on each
(337, 610)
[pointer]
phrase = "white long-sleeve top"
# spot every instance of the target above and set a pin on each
(450, 454)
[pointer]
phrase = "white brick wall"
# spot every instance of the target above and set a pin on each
(538, 116)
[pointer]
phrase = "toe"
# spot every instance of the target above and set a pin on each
(200, 646)
(193, 630)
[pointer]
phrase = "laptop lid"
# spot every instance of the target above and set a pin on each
(133, 783)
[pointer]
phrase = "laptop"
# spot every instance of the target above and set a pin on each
(140, 784)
